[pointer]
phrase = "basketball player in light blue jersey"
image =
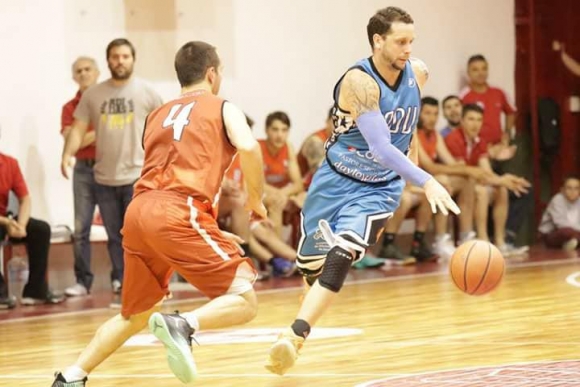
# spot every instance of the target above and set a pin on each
(357, 187)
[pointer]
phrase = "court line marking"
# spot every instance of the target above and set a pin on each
(171, 376)
(404, 277)
(390, 376)
(494, 370)
(572, 279)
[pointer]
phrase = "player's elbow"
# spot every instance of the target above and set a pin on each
(249, 145)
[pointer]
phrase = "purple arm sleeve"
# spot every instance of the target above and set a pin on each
(375, 131)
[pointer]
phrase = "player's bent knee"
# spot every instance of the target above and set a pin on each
(338, 262)
(251, 307)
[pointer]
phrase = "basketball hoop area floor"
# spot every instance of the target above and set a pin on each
(398, 327)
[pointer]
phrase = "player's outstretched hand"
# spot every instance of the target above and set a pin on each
(439, 198)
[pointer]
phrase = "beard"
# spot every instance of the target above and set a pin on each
(121, 73)
(453, 123)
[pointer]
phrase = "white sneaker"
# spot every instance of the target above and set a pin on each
(509, 250)
(471, 235)
(444, 247)
(570, 245)
(116, 284)
(77, 290)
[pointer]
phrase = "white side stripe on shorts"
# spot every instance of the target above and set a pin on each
(206, 237)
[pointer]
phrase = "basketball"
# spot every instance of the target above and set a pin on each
(477, 267)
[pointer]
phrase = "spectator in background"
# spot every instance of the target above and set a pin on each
(469, 148)
(312, 150)
(569, 62)
(117, 108)
(85, 73)
(34, 233)
(452, 112)
(560, 225)
(283, 179)
(260, 240)
(494, 102)
(458, 178)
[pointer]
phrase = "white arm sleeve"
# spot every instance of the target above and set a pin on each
(237, 128)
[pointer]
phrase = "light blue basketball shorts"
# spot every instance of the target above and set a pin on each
(354, 211)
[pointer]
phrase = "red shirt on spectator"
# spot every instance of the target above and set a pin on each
(67, 119)
(10, 180)
(461, 149)
(494, 102)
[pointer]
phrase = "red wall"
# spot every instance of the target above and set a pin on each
(541, 73)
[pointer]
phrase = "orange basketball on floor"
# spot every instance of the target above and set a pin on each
(476, 267)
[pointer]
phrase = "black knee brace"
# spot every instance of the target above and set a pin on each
(336, 267)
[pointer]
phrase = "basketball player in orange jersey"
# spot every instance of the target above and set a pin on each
(170, 223)
(283, 179)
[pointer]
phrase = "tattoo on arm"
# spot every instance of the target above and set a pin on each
(359, 93)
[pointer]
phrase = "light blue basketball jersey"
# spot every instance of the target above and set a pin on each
(351, 191)
(347, 152)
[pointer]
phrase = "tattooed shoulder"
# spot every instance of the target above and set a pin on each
(359, 93)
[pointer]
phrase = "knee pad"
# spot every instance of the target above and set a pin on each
(336, 267)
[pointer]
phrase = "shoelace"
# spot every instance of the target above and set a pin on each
(176, 312)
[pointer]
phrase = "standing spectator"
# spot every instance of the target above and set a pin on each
(117, 108)
(85, 73)
(34, 233)
(493, 101)
(560, 225)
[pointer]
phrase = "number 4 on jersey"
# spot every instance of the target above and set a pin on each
(178, 118)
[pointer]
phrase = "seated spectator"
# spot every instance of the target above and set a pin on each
(34, 233)
(458, 178)
(283, 179)
(312, 150)
(452, 112)
(262, 242)
(494, 102)
(560, 225)
(411, 197)
(467, 147)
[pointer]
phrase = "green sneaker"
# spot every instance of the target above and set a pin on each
(392, 253)
(369, 262)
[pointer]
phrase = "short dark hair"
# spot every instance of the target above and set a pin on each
(449, 98)
(278, 115)
(476, 58)
(193, 60)
(380, 23)
(429, 101)
(471, 107)
(120, 42)
(571, 176)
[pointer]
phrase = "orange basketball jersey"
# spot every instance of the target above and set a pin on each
(186, 148)
(276, 166)
(234, 172)
(428, 141)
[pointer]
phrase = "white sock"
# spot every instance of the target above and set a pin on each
(191, 320)
(74, 373)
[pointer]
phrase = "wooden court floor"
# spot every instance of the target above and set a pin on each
(413, 330)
